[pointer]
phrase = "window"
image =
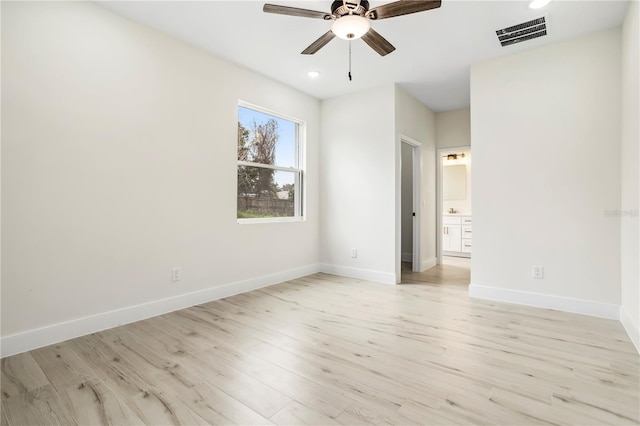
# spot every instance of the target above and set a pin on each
(269, 167)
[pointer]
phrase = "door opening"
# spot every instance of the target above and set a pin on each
(410, 205)
(454, 216)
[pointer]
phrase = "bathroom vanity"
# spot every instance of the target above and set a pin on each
(456, 235)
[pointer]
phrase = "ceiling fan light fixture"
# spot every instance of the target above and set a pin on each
(350, 27)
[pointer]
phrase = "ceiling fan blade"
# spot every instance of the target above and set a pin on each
(377, 42)
(402, 7)
(319, 43)
(295, 11)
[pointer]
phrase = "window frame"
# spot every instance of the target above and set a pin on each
(300, 162)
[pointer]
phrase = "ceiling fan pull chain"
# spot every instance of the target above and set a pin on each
(350, 60)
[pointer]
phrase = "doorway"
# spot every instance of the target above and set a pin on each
(410, 203)
(454, 214)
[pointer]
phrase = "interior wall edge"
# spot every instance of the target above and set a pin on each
(546, 301)
(428, 263)
(632, 329)
(56, 333)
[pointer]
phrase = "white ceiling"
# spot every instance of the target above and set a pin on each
(434, 49)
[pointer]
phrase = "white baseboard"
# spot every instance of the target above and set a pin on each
(546, 301)
(428, 263)
(32, 339)
(456, 254)
(631, 327)
(362, 274)
(406, 257)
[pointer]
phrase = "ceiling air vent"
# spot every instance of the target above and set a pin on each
(522, 32)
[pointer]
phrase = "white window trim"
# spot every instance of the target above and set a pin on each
(269, 166)
(300, 184)
(271, 220)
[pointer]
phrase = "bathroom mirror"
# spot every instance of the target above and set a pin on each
(454, 182)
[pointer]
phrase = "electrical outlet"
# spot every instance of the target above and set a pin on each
(538, 272)
(354, 253)
(176, 274)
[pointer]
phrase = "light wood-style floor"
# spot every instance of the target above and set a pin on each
(329, 350)
(454, 270)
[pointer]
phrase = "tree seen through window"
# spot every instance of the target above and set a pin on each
(269, 178)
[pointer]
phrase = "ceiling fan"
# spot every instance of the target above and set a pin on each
(351, 20)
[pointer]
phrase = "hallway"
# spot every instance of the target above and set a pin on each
(454, 270)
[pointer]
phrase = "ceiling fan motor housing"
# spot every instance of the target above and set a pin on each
(342, 8)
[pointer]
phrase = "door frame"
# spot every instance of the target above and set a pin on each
(439, 200)
(417, 179)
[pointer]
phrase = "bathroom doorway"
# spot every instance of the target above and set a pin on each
(454, 213)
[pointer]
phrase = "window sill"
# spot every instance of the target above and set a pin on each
(271, 220)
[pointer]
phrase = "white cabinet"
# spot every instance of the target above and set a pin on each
(466, 237)
(456, 235)
(451, 235)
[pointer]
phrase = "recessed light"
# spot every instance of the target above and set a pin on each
(538, 4)
(313, 74)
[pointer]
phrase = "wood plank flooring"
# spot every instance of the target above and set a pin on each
(327, 350)
(454, 270)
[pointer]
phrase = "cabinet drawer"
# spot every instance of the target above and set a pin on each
(451, 220)
(466, 231)
(466, 220)
(466, 245)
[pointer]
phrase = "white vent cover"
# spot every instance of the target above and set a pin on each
(522, 32)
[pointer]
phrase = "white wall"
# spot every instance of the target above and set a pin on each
(407, 202)
(629, 230)
(453, 128)
(358, 184)
(546, 147)
(361, 182)
(416, 121)
(119, 150)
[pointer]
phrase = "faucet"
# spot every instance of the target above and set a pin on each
(452, 210)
